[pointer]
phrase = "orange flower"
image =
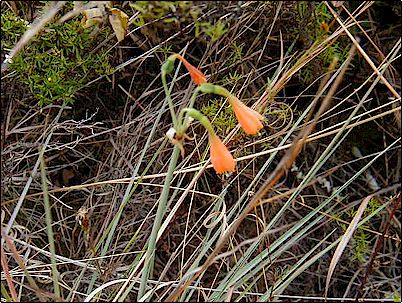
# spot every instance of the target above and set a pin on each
(221, 158)
(248, 118)
(197, 76)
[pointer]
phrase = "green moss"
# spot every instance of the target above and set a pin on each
(223, 119)
(214, 31)
(232, 79)
(396, 297)
(58, 61)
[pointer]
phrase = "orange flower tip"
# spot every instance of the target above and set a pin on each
(221, 159)
(249, 119)
(196, 75)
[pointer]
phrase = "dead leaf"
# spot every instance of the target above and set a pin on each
(119, 22)
(337, 3)
(93, 16)
(67, 174)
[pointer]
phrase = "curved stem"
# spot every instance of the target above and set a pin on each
(183, 121)
(192, 100)
(201, 118)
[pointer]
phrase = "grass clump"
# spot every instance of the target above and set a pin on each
(58, 62)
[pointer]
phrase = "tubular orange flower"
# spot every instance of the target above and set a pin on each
(221, 158)
(196, 75)
(248, 118)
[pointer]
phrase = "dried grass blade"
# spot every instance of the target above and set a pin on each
(345, 240)
(10, 284)
(39, 293)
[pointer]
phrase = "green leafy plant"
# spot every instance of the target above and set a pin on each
(176, 12)
(58, 62)
(237, 53)
(214, 31)
(232, 78)
(317, 18)
(223, 118)
(361, 239)
(12, 28)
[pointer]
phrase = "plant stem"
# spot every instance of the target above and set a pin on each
(150, 253)
(183, 122)
(169, 98)
(192, 112)
(49, 230)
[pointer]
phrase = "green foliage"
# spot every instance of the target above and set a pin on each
(324, 59)
(316, 31)
(223, 119)
(166, 50)
(372, 206)
(12, 28)
(319, 14)
(237, 50)
(177, 12)
(236, 54)
(214, 31)
(232, 79)
(58, 62)
(335, 50)
(283, 112)
(361, 241)
(322, 13)
(396, 297)
(153, 10)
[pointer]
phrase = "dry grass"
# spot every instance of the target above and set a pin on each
(267, 231)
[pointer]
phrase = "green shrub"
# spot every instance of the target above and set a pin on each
(58, 61)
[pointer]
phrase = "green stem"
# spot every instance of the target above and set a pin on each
(192, 100)
(209, 88)
(169, 98)
(201, 118)
(5, 293)
(49, 229)
(150, 253)
(183, 122)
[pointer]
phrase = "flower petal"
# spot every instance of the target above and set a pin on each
(196, 75)
(249, 119)
(221, 159)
